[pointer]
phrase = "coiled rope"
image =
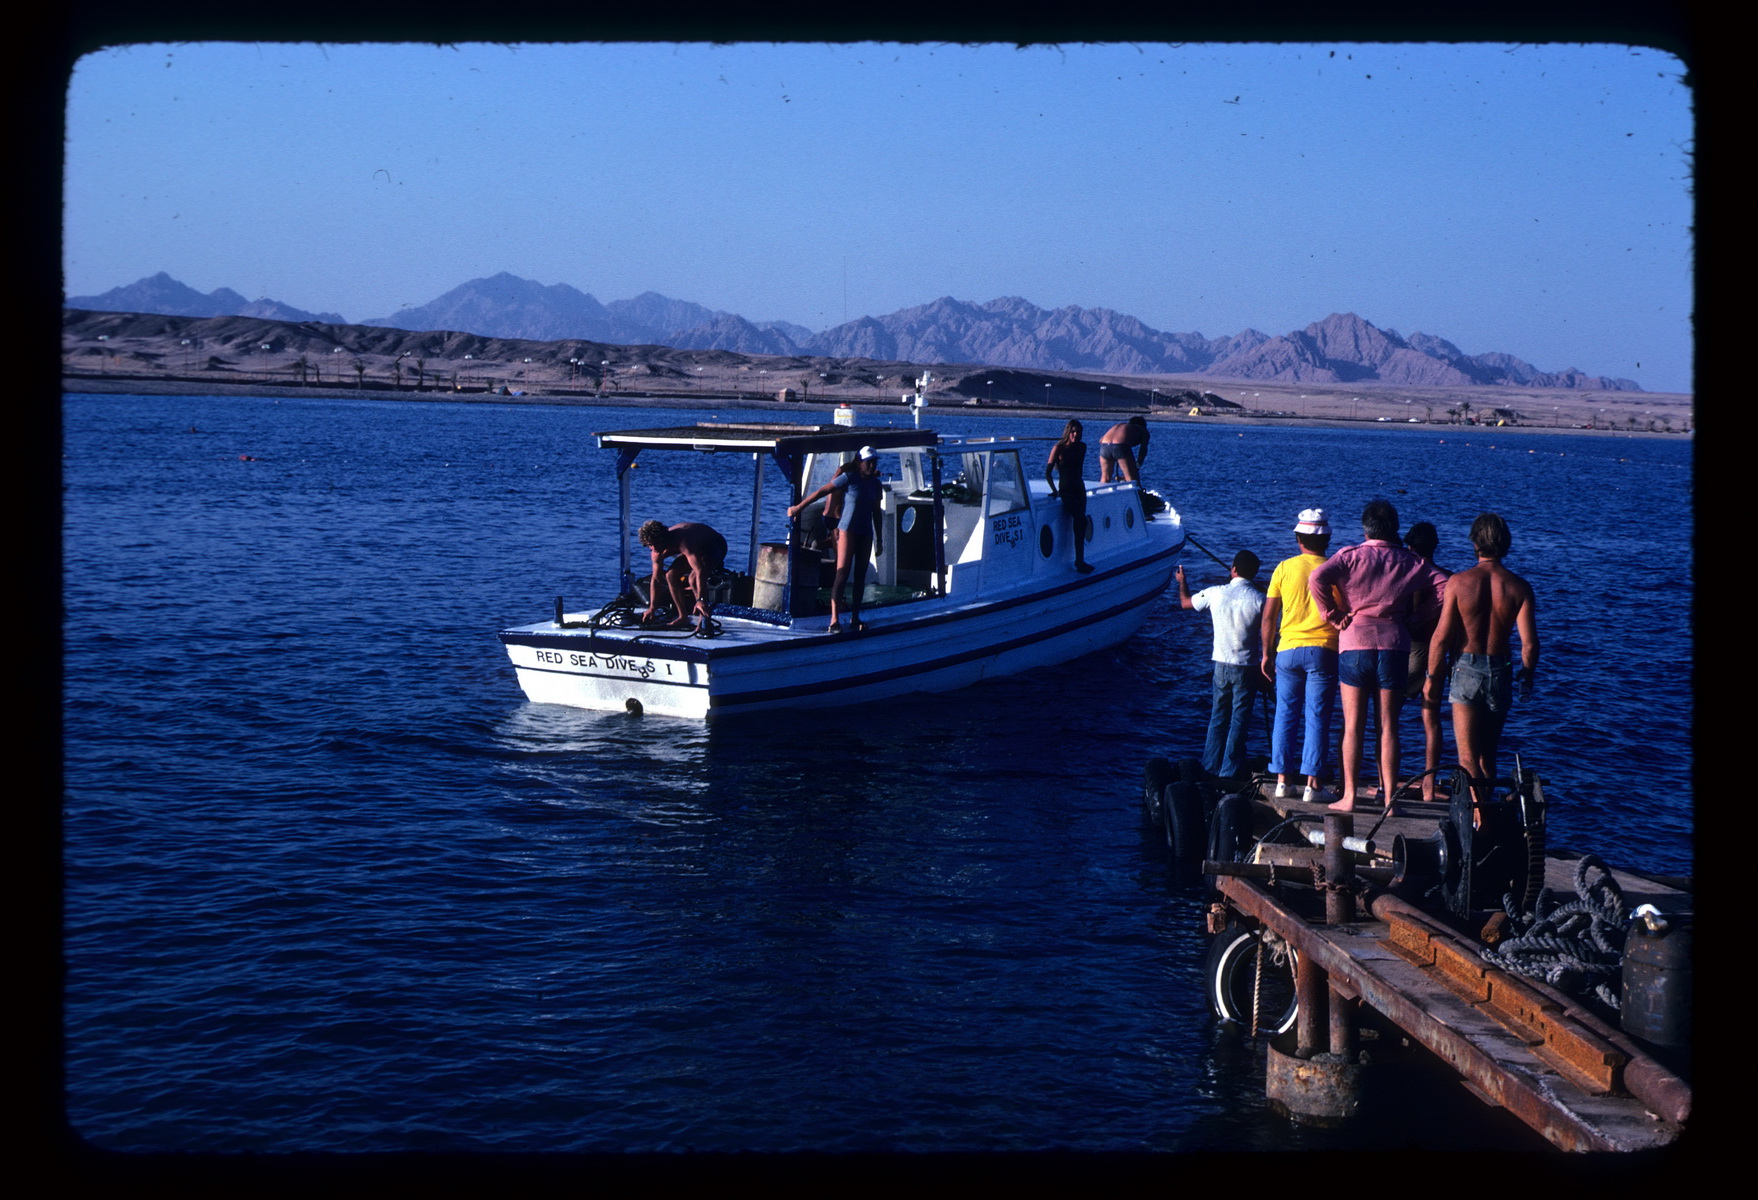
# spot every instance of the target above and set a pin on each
(1574, 945)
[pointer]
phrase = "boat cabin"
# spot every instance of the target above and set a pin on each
(962, 517)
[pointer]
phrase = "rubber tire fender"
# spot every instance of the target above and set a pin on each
(1156, 773)
(1229, 976)
(1187, 833)
(1230, 829)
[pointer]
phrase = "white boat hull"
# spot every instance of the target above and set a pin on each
(977, 567)
(925, 646)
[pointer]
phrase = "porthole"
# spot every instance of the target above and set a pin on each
(1046, 542)
(907, 522)
(1129, 518)
(1107, 520)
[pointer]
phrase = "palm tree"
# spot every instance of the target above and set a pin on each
(420, 372)
(359, 366)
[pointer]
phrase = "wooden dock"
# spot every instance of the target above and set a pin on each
(1359, 939)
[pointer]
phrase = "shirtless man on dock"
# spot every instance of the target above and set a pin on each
(1479, 609)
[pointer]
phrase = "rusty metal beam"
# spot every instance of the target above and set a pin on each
(1663, 1092)
(1297, 871)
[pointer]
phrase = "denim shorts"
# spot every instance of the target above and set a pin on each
(1387, 670)
(1484, 680)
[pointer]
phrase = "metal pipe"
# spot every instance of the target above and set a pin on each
(1354, 845)
(1339, 869)
(1343, 1041)
(1312, 998)
(1299, 875)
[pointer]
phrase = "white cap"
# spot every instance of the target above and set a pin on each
(1312, 520)
(867, 452)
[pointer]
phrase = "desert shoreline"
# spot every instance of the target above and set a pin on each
(803, 410)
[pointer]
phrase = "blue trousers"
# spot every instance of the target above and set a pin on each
(1224, 754)
(1306, 678)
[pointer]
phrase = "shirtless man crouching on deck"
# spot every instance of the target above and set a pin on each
(1481, 605)
(700, 552)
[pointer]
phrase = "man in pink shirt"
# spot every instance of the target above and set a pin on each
(1373, 593)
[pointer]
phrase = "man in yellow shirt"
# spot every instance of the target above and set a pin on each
(1300, 654)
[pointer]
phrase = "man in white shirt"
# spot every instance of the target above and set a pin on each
(1235, 607)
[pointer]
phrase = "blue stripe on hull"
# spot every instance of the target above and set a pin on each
(850, 683)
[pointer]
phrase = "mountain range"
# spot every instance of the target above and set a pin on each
(1006, 332)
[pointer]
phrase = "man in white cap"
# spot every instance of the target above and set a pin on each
(858, 534)
(1300, 654)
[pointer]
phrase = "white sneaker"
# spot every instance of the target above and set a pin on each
(1282, 791)
(1317, 796)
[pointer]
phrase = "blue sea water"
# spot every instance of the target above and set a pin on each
(332, 885)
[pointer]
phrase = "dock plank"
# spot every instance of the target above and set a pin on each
(1499, 1062)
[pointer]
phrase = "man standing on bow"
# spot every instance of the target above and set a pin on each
(1118, 455)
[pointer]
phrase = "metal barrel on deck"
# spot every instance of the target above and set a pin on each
(780, 589)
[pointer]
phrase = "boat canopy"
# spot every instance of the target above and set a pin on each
(787, 445)
(708, 437)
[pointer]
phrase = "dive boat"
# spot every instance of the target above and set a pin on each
(976, 578)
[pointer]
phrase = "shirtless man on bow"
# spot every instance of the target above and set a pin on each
(1118, 453)
(1480, 606)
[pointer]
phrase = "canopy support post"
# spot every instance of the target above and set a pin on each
(756, 514)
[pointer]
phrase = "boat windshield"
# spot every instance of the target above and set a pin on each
(1007, 490)
(823, 469)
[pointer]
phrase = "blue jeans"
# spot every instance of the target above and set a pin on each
(1305, 676)
(1224, 754)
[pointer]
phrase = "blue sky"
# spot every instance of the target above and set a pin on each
(1528, 199)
